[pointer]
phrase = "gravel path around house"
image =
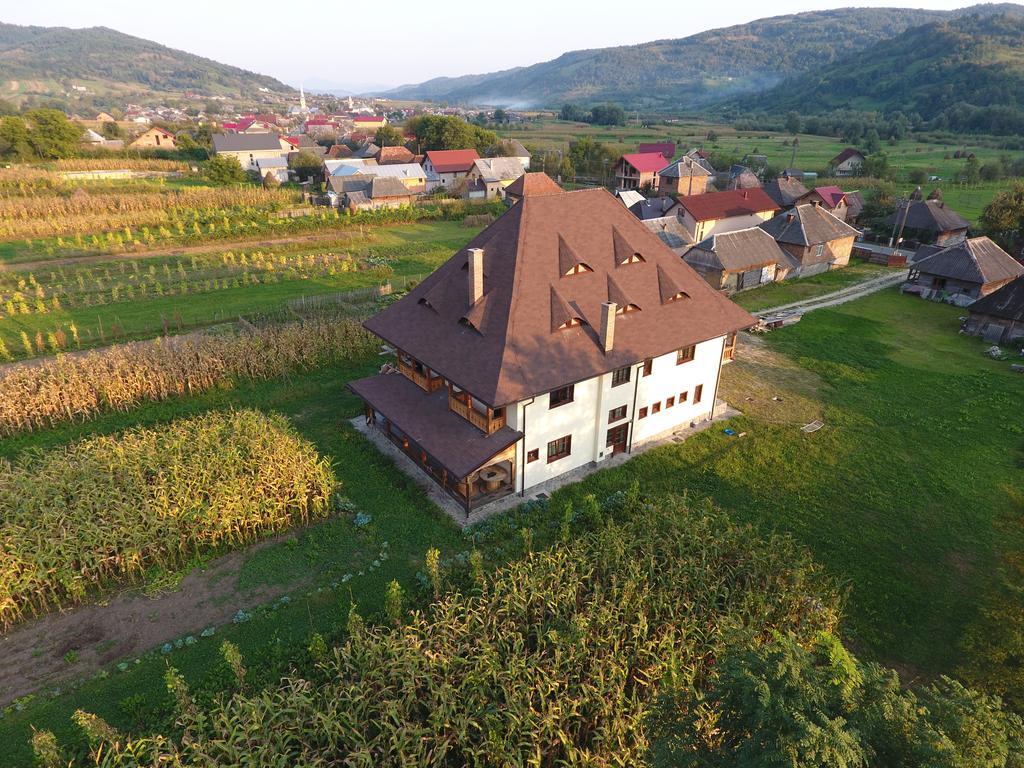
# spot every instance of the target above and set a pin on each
(849, 293)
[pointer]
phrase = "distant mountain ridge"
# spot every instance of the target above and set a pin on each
(976, 60)
(690, 72)
(50, 60)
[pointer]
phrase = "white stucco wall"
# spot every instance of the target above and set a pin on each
(702, 229)
(586, 418)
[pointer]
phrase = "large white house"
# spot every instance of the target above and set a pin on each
(564, 333)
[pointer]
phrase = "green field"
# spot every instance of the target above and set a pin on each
(897, 495)
(789, 291)
(813, 154)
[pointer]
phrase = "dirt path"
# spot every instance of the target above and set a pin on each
(33, 655)
(222, 245)
(849, 293)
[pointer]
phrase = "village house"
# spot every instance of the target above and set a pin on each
(930, 221)
(999, 317)
(735, 261)
(448, 167)
(563, 334)
(247, 148)
(786, 191)
(638, 170)
(369, 122)
(832, 199)
(275, 167)
(154, 138)
(818, 240)
(93, 140)
(671, 232)
(849, 162)
(104, 117)
(655, 208)
(962, 272)
(666, 149)
(684, 177)
(514, 148)
(393, 156)
(410, 175)
(489, 177)
(714, 212)
(738, 177)
(361, 193)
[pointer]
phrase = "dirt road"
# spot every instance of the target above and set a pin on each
(850, 293)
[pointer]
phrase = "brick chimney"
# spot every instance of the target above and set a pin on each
(606, 332)
(476, 275)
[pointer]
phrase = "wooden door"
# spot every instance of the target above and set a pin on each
(617, 438)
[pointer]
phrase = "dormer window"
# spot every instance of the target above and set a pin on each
(426, 303)
(678, 296)
(572, 322)
(578, 269)
(627, 308)
(634, 258)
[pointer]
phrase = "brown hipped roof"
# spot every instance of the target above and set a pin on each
(519, 340)
(532, 184)
(739, 251)
(807, 224)
(1007, 302)
(713, 206)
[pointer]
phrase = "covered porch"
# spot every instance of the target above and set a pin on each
(473, 467)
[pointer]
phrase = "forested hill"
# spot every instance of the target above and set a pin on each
(689, 72)
(48, 61)
(967, 74)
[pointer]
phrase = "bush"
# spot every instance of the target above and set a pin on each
(224, 169)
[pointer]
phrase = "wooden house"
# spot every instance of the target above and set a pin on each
(736, 261)
(818, 239)
(998, 318)
(961, 273)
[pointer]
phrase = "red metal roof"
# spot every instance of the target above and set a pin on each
(845, 155)
(367, 119)
(831, 196)
(723, 205)
(646, 162)
(666, 148)
(452, 160)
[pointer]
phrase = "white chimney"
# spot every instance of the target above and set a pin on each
(606, 333)
(476, 275)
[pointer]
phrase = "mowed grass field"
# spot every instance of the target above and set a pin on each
(813, 153)
(896, 495)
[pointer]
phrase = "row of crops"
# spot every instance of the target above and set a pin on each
(78, 387)
(100, 512)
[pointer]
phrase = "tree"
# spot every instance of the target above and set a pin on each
(500, 116)
(917, 176)
(388, 136)
(51, 134)
(573, 113)
(793, 122)
(307, 165)
(608, 114)
(434, 132)
(786, 705)
(1003, 221)
(14, 138)
(7, 108)
(224, 169)
(112, 130)
(972, 171)
(877, 166)
(872, 141)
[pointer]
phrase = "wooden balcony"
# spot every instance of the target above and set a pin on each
(425, 381)
(486, 422)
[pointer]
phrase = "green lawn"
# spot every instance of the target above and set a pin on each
(897, 494)
(798, 289)
(318, 405)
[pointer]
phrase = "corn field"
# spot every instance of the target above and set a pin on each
(100, 512)
(82, 212)
(557, 660)
(106, 163)
(78, 387)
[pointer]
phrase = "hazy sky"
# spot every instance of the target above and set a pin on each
(344, 43)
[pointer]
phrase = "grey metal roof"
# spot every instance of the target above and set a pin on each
(654, 208)
(499, 168)
(384, 186)
(684, 167)
(739, 251)
(785, 191)
(246, 142)
(272, 162)
(629, 197)
(671, 231)
(807, 224)
(1007, 302)
(976, 260)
